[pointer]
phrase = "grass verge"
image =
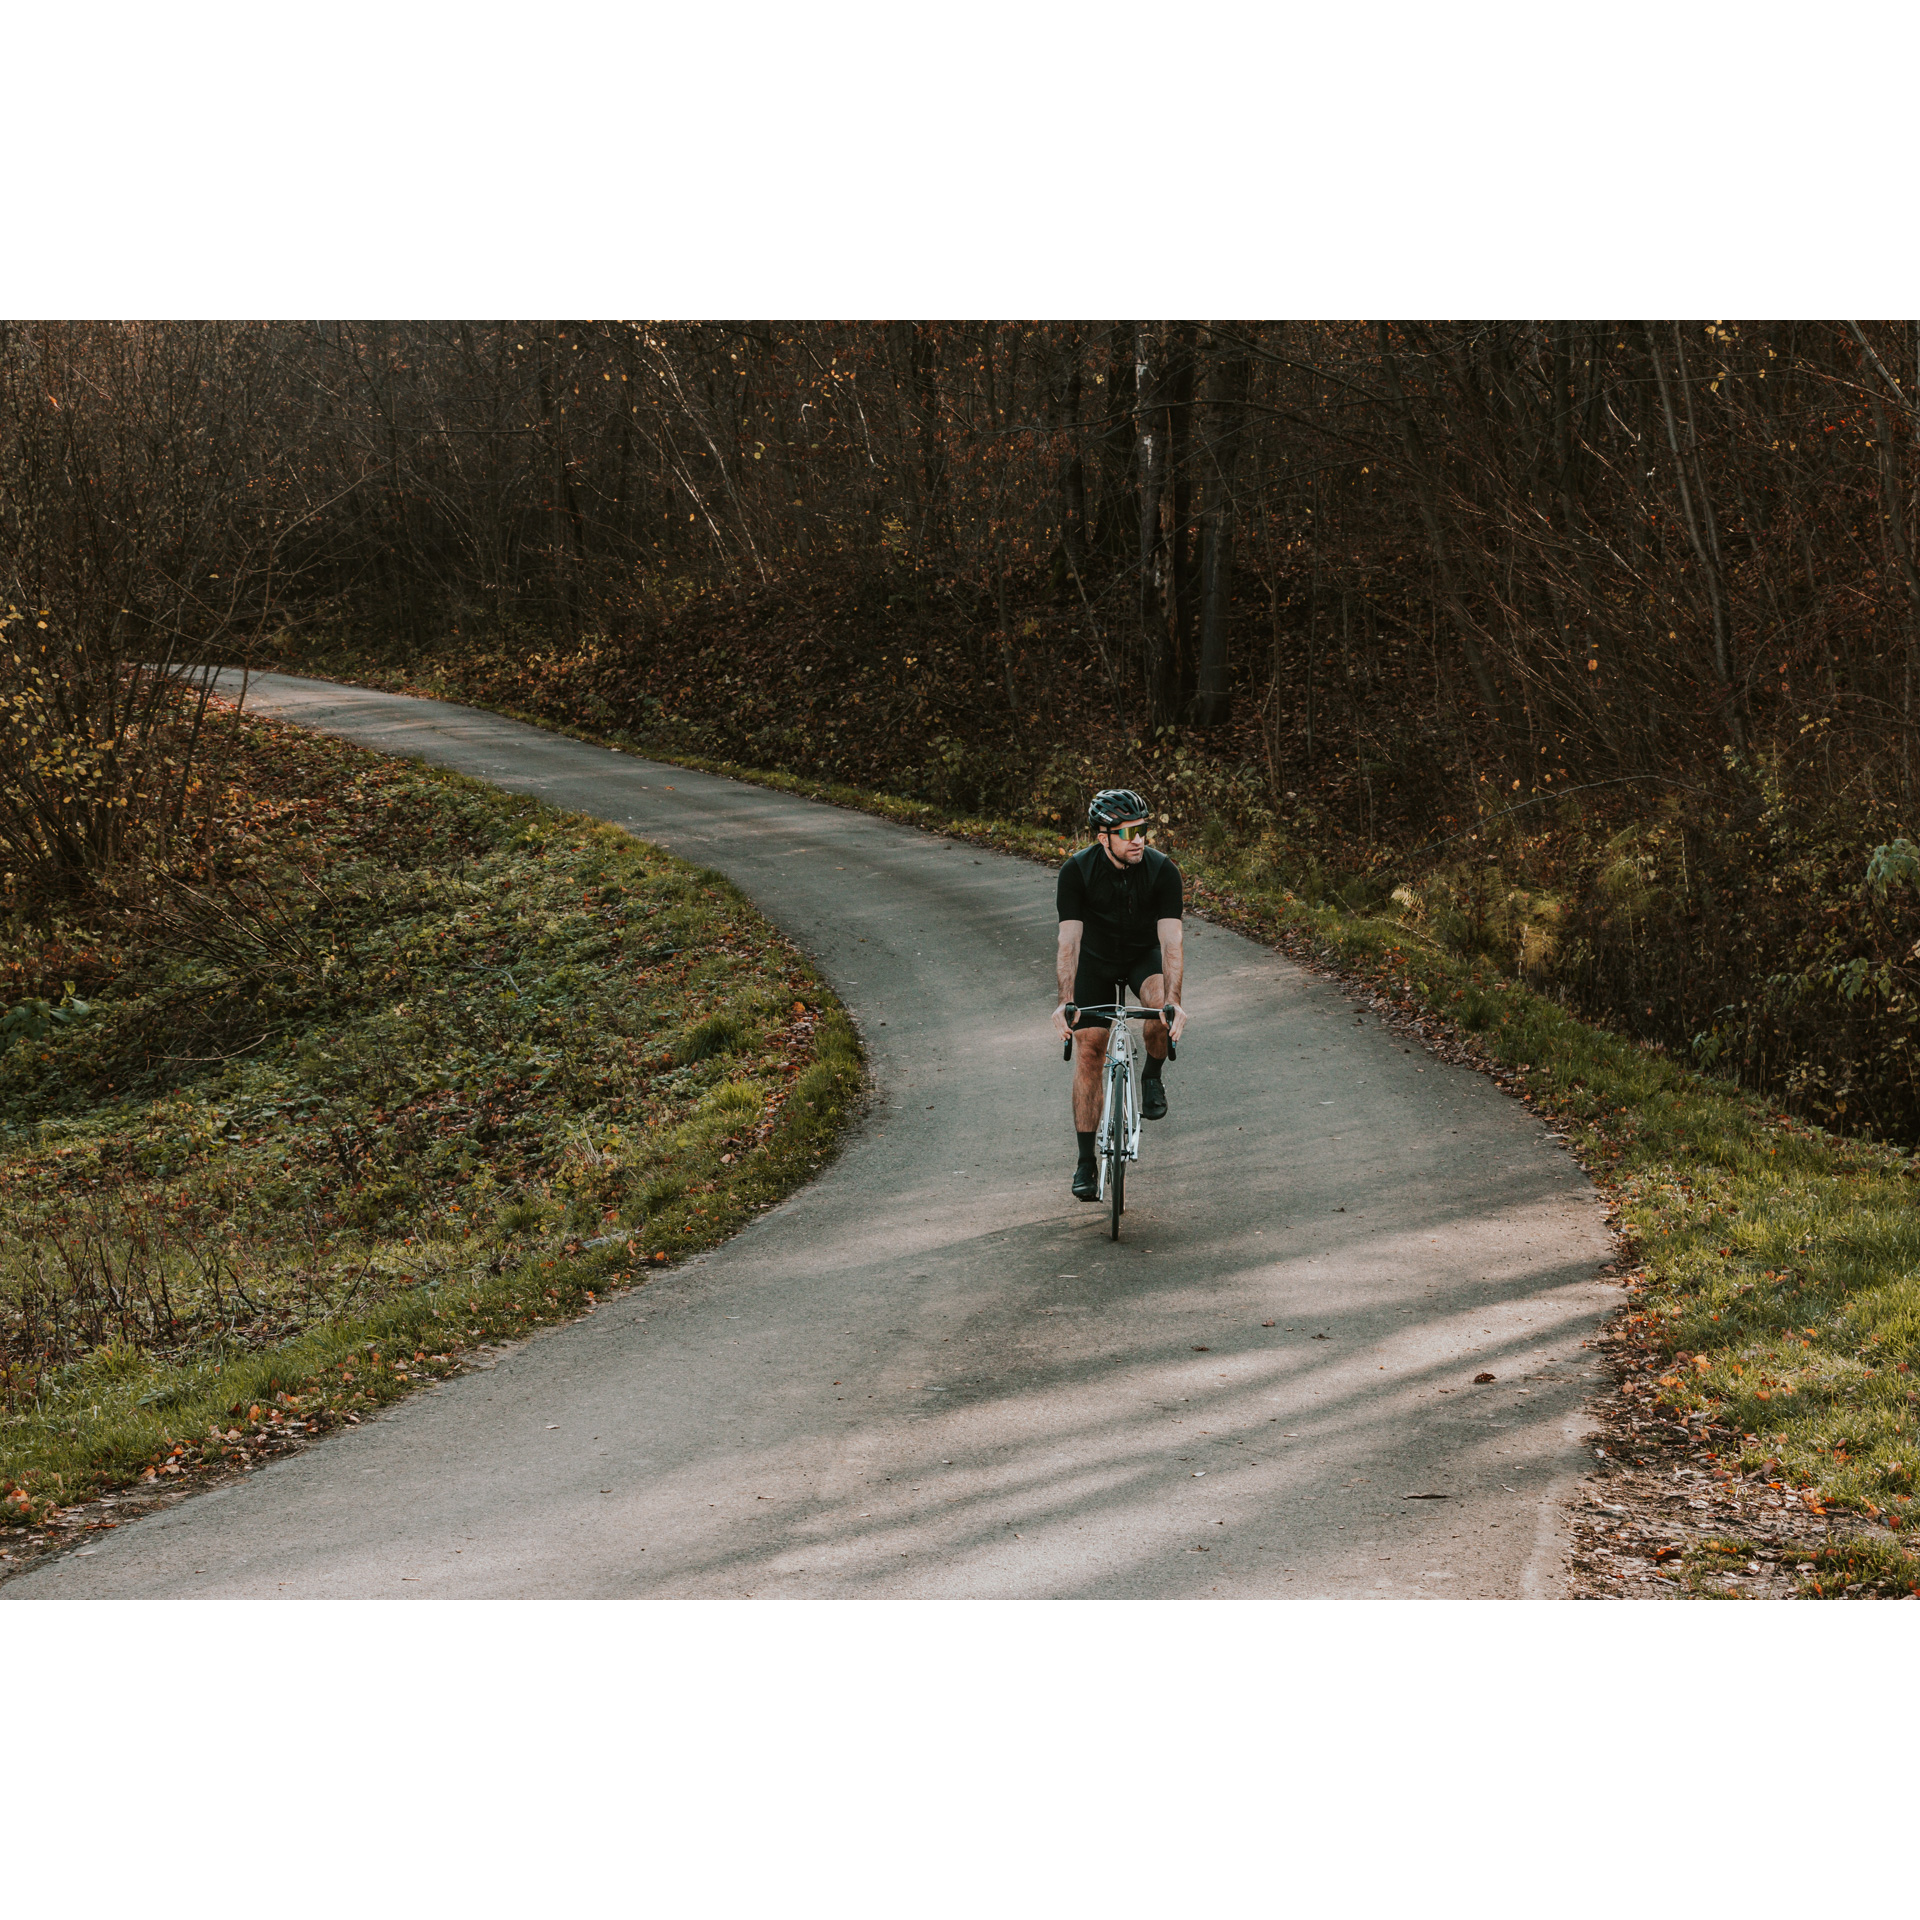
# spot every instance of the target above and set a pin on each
(1774, 1284)
(402, 1065)
(1772, 1269)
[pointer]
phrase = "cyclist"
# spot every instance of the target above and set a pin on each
(1120, 903)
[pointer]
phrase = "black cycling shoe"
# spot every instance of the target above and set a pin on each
(1086, 1181)
(1153, 1099)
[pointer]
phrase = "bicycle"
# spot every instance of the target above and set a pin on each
(1118, 1139)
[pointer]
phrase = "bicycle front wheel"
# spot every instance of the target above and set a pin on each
(1117, 1150)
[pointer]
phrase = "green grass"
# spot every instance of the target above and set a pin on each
(1777, 1287)
(273, 1181)
(1865, 1569)
(1713, 1561)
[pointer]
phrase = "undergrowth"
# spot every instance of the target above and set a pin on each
(1746, 913)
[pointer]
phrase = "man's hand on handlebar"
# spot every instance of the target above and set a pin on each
(1177, 1025)
(1063, 1026)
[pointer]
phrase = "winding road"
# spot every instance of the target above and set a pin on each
(930, 1373)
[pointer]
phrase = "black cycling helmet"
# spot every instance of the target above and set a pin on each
(1112, 805)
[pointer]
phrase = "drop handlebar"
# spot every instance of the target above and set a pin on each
(1114, 1011)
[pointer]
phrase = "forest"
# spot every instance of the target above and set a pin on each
(1587, 646)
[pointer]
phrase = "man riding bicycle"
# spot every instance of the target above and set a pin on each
(1120, 904)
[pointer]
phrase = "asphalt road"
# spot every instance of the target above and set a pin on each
(931, 1373)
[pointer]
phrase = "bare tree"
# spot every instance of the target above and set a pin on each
(145, 496)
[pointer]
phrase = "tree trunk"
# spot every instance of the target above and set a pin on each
(1426, 498)
(937, 520)
(560, 507)
(999, 559)
(1183, 566)
(1119, 506)
(1226, 416)
(1706, 547)
(1063, 415)
(1150, 438)
(1067, 560)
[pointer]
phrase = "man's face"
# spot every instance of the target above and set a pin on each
(1127, 851)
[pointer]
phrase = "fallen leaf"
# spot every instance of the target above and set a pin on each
(1482, 1379)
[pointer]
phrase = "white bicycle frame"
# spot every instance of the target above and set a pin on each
(1117, 1138)
(1120, 1078)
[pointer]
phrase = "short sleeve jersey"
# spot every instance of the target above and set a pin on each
(1121, 907)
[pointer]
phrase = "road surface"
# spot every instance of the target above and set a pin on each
(930, 1373)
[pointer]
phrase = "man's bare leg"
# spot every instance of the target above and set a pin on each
(1089, 1055)
(1153, 1096)
(1153, 993)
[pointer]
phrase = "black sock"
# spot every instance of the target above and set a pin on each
(1086, 1147)
(1152, 1069)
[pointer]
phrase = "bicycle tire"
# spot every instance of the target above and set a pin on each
(1117, 1154)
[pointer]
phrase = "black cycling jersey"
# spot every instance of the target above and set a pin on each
(1120, 907)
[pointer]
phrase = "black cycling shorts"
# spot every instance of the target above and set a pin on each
(1096, 976)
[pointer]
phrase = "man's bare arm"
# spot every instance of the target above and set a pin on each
(1066, 963)
(1173, 965)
